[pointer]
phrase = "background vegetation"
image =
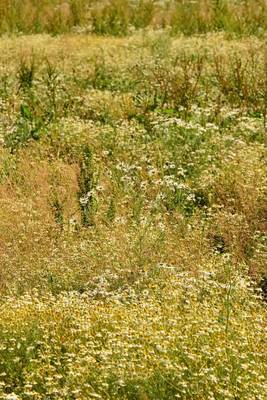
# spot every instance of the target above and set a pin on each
(119, 17)
(133, 202)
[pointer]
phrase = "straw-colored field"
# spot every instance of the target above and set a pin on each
(133, 216)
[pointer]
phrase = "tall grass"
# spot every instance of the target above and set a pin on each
(133, 226)
(31, 16)
(117, 17)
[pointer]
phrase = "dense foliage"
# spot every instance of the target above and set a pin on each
(120, 17)
(132, 212)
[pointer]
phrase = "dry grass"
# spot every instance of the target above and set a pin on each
(157, 296)
(117, 17)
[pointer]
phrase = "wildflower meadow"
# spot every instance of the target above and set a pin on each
(133, 200)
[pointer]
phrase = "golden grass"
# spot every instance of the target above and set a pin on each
(158, 298)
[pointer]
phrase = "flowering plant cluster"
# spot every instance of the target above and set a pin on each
(133, 217)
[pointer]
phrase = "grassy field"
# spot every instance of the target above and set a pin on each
(133, 201)
(121, 17)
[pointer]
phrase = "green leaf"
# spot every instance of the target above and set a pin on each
(25, 111)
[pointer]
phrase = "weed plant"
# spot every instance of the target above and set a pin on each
(133, 207)
(121, 17)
